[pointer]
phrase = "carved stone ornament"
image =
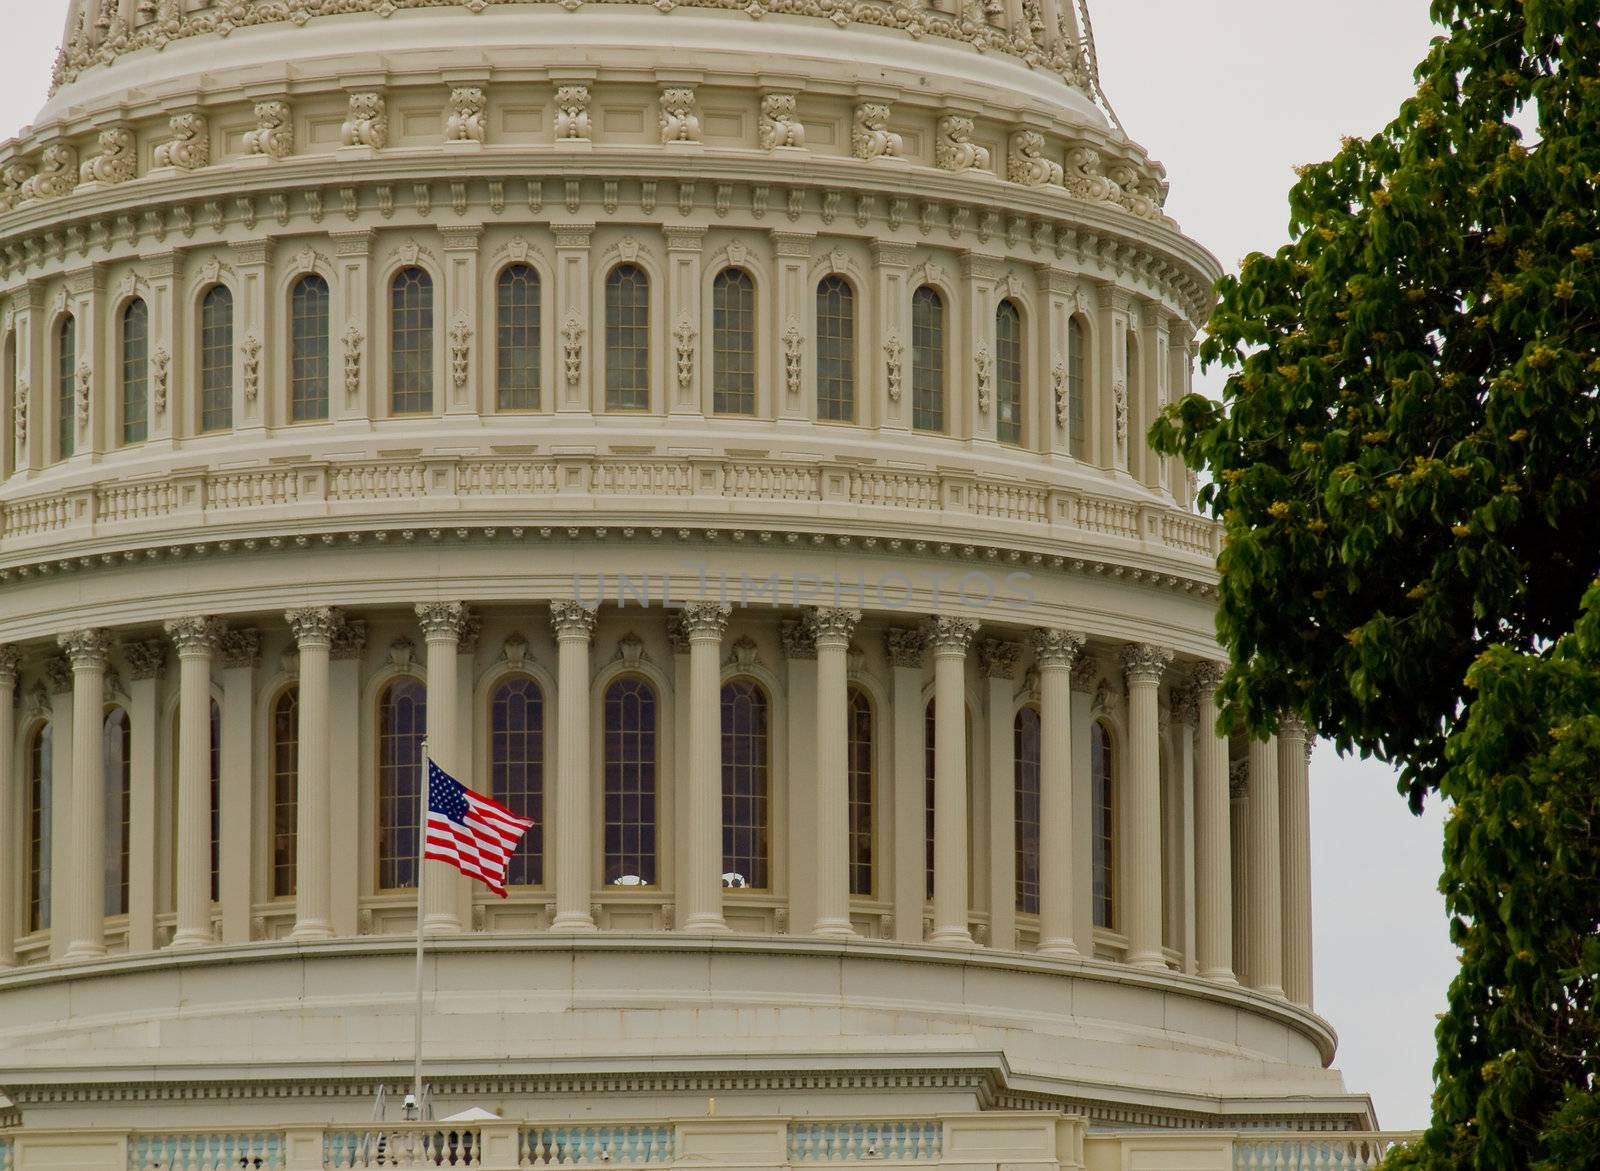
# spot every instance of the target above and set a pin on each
(572, 620)
(870, 137)
(572, 332)
(194, 635)
(273, 136)
(354, 339)
(160, 366)
(780, 123)
(703, 622)
(145, 659)
(85, 390)
(349, 637)
(189, 148)
(58, 675)
(1059, 389)
(894, 351)
(367, 123)
(250, 351)
(441, 620)
(19, 421)
(997, 659)
(1057, 648)
(14, 184)
(86, 648)
(834, 627)
(954, 149)
(572, 113)
(904, 645)
(116, 162)
(1026, 164)
(57, 175)
(466, 122)
(313, 626)
(683, 336)
(983, 370)
(799, 638)
(680, 121)
(1144, 663)
(460, 349)
(241, 648)
(950, 636)
(793, 357)
(1208, 675)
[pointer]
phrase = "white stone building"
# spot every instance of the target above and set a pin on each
(716, 428)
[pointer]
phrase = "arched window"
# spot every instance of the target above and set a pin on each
(627, 339)
(411, 343)
(746, 785)
(516, 766)
(285, 791)
(836, 350)
(1025, 755)
(1102, 772)
(66, 387)
(402, 727)
(927, 360)
(1008, 373)
(135, 372)
(859, 753)
(630, 782)
(1077, 365)
(117, 769)
(518, 321)
(40, 757)
(733, 343)
(216, 359)
(309, 366)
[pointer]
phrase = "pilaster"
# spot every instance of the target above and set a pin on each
(887, 378)
(997, 660)
(907, 782)
(241, 656)
(792, 356)
(580, 373)
(467, 378)
(146, 663)
(685, 321)
(353, 330)
(255, 325)
(800, 657)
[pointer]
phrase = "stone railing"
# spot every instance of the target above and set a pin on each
(198, 499)
(1022, 1141)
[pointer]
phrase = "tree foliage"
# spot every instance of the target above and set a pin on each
(1406, 463)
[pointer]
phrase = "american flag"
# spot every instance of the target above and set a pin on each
(469, 831)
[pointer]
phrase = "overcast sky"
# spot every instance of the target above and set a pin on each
(1230, 95)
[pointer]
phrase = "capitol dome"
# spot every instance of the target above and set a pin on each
(715, 429)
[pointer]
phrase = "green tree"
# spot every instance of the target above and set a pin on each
(1407, 467)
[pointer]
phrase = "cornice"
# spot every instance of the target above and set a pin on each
(411, 189)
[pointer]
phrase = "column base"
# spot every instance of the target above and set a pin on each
(1059, 949)
(82, 950)
(570, 923)
(1223, 976)
(310, 931)
(704, 924)
(952, 937)
(186, 940)
(834, 929)
(441, 925)
(1150, 961)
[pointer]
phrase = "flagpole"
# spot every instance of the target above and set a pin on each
(422, 869)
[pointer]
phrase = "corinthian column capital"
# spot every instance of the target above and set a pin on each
(834, 626)
(194, 636)
(905, 645)
(442, 620)
(704, 621)
(951, 636)
(10, 662)
(1057, 648)
(572, 620)
(241, 648)
(997, 658)
(1144, 663)
(313, 626)
(1208, 675)
(146, 658)
(86, 649)
(1292, 726)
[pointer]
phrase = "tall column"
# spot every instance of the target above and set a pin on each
(313, 905)
(344, 769)
(442, 623)
(700, 881)
(1265, 907)
(59, 680)
(950, 638)
(1056, 651)
(196, 640)
(909, 785)
(11, 810)
(1213, 850)
(1294, 761)
(997, 663)
(574, 842)
(241, 656)
(834, 629)
(88, 651)
(800, 658)
(146, 661)
(1144, 665)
